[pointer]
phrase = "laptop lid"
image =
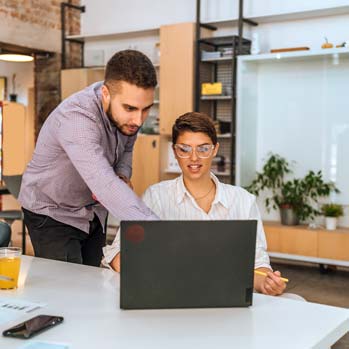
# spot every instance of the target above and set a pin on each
(187, 264)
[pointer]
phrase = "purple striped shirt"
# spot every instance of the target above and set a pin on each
(80, 152)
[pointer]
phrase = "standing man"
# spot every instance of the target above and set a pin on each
(82, 163)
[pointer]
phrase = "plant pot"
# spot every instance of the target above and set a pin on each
(331, 223)
(13, 97)
(288, 216)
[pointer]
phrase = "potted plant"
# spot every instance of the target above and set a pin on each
(296, 198)
(332, 212)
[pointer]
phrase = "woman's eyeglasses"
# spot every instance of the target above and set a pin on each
(184, 151)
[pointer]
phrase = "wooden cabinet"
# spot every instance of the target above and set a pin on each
(334, 244)
(14, 136)
(313, 245)
(74, 80)
(30, 126)
(176, 73)
(146, 168)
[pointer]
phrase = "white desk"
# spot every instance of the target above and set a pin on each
(88, 298)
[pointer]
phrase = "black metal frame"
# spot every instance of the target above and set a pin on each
(237, 43)
(64, 38)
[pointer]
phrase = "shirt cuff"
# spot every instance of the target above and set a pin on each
(263, 265)
(110, 251)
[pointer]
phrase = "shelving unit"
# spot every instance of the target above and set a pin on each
(64, 37)
(294, 104)
(220, 69)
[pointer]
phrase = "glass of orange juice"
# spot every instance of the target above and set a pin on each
(10, 260)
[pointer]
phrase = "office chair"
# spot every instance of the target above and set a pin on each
(5, 234)
(13, 184)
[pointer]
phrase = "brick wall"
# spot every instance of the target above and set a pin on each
(36, 24)
(44, 13)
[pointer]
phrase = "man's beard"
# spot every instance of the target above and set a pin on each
(121, 128)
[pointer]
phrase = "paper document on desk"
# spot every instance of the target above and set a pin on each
(44, 345)
(11, 308)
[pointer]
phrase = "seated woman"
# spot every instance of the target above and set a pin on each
(198, 195)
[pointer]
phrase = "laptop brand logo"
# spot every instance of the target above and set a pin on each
(135, 233)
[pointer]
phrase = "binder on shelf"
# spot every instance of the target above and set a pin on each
(215, 88)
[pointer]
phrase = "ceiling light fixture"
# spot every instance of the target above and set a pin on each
(10, 57)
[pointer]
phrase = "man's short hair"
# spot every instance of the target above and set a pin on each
(194, 122)
(130, 66)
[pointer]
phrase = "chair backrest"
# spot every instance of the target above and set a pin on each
(5, 234)
(13, 184)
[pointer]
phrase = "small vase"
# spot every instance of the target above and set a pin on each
(13, 97)
(331, 223)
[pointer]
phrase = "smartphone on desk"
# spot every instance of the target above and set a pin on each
(33, 326)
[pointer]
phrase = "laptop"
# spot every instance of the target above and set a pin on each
(187, 264)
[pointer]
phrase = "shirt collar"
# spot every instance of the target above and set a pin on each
(221, 196)
(181, 191)
(98, 89)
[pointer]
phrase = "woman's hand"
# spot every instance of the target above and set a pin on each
(271, 284)
(115, 263)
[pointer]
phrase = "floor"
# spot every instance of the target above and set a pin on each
(330, 287)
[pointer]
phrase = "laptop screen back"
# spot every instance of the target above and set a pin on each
(187, 264)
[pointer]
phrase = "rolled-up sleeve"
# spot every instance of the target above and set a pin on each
(110, 251)
(262, 257)
(80, 137)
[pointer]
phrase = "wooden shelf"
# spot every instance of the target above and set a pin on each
(284, 16)
(215, 172)
(226, 59)
(212, 98)
(108, 36)
(222, 41)
(313, 245)
(223, 174)
(296, 55)
(224, 135)
(262, 18)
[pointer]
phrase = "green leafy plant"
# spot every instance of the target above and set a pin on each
(300, 194)
(332, 210)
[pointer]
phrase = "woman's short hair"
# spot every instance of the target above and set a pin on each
(194, 122)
